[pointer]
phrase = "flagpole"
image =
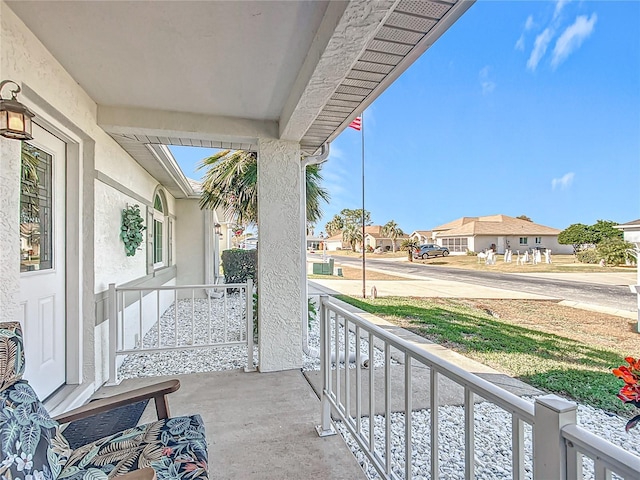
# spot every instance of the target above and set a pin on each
(364, 288)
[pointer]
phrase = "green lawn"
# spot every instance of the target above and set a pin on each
(549, 362)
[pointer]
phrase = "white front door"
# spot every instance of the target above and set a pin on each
(42, 260)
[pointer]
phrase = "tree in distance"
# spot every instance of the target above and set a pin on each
(409, 244)
(392, 231)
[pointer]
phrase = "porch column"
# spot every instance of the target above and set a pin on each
(10, 151)
(280, 286)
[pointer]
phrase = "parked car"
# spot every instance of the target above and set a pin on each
(430, 250)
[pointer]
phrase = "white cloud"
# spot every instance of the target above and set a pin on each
(487, 84)
(559, 6)
(563, 182)
(539, 48)
(571, 39)
(528, 25)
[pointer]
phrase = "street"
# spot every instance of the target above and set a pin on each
(611, 296)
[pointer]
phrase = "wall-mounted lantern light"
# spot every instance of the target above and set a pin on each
(217, 229)
(15, 118)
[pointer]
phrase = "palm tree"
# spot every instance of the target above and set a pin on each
(409, 244)
(392, 231)
(230, 182)
(352, 234)
(334, 226)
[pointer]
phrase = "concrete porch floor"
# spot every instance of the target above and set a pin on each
(259, 425)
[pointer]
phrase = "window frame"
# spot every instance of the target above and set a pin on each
(159, 220)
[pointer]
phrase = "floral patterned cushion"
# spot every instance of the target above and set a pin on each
(176, 448)
(11, 354)
(31, 446)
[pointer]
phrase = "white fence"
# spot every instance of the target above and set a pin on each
(161, 319)
(558, 443)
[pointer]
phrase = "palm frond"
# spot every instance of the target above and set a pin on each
(231, 183)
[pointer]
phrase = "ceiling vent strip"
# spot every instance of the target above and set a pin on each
(344, 103)
(360, 83)
(353, 90)
(383, 58)
(425, 9)
(399, 35)
(337, 109)
(386, 46)
(373, 67)
(411, 22)
(357, 74)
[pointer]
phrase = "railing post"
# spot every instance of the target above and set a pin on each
(250, 366)
(113, 333)
(325, 428)
(552, 413)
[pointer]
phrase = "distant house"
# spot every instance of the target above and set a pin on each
(631, 231)
(497, 232)
(374, 238)
(422, 236)
(335, 243)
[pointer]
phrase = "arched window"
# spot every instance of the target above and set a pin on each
(159, 231)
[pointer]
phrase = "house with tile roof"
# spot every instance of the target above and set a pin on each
(375, 238)
(422, 236)
(497, 232)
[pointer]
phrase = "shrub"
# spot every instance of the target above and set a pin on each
(471, 253)
(239, 265)
(588, 256)
(614, 250)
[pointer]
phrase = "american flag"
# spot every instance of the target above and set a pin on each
(356, 124)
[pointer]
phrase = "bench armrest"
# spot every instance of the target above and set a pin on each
(158, 392)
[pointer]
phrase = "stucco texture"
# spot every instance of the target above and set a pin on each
(279, 258)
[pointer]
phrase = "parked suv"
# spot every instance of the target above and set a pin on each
(430, 250)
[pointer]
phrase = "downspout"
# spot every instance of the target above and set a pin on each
(306, 161)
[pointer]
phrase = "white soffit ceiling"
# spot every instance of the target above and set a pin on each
(223, 59)
(235, 59)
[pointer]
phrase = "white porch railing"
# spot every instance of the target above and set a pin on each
(161, 319)
(558, 443)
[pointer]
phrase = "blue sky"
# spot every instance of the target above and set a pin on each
(520, 108)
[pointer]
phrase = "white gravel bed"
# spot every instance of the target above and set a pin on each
(311, 363)
(209, 321)
(492, 441)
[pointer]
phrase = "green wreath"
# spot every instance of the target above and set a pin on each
(132, 228)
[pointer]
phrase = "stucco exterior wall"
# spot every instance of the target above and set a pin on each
(56, 97)
(279, 255)
(189, 242)
(10, 238)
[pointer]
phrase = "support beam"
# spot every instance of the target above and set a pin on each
(167, 124)
(280, 286)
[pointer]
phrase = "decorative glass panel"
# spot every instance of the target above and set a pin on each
(36, 210)
(157, 204)
(157, 241)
